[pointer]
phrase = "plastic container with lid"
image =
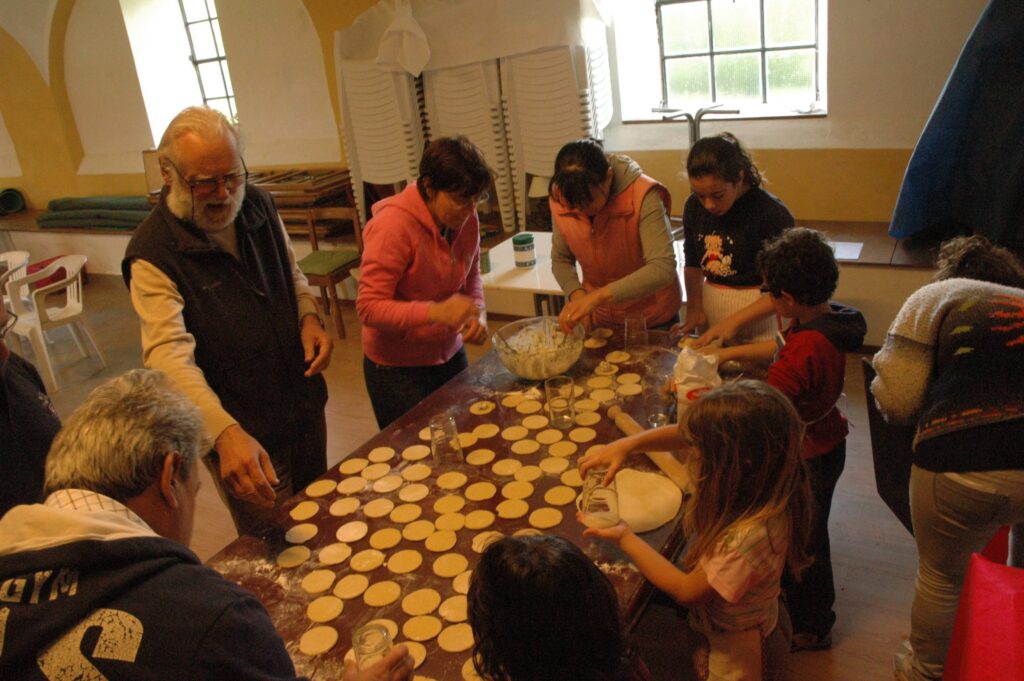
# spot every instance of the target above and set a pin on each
(525, 252)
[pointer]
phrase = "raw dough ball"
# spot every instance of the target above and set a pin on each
(389, 483)
(450, 521)
(617, 357)
(320, 488)
(528, 473)
(386, 538)
(352, 531)
(451, 503)
(514, 433)
(366, 560)
(517, 489)
(351, 586)
(544, 518)
(506, 467)
(375, 471)
(456, 638)
(461, 582)
(422, 628)
(382, 593)
(417, 452)
(304, 510)
(353, 485)
(486, 431)
(582, 434)
(300, 533)
(405, 561)
(318, 640)
(560, 496)
(553, 465)
(480, 457)
(411, 493)
(525, 447)
(352, 466)
(629, 378)
(586, 405)
(293, 556)
(587, 418)
(416, 472)
(332, 554)
(599, 382)
(480, 491)
(317, 581)
(646, 500)
(381, 454)
(439, 541)
(629, 389)
(451, 480)
(450, 564)
(595, 343)
(549, 436)
(513, 508)
(405, 513)
(564, 447)
(454, 609)
(378, 508)
(485, 539)
(535, 421)
(421, 602)
(482, 407)
(528, 407)
(325, 608)
(479, 519)
(467, 440)
(572, 478)
(418, 530)
(343, 507)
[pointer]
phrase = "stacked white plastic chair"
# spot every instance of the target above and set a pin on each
(466, 100)
(381, 126)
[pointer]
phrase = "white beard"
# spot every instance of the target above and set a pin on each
(179, 202)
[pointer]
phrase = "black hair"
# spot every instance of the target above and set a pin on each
(975, 257)
(579, 167)
(802, 263)
(453, 165)
(722, 156)
(542, 611)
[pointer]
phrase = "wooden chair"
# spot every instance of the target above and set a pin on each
(328, 268)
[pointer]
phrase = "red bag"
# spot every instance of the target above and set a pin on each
(41, 265)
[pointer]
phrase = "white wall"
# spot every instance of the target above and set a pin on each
(9, 165)
(887, 63)
(103, 89)
(28, 22)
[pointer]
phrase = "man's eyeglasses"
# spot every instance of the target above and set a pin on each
(12, 319)
(209, 185)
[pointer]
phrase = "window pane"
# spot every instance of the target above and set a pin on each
(791, 77)
(203, 46)
(227, 77)
(688, 79)
(684, 27)
(195, 10)
(213, 84)
(217, 37)
(788, 22)
(221, 105)
(738, 78)
(736, 23)
(211, 9)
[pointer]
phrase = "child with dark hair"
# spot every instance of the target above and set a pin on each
(809, 366)
(726, 221)
(541, 610)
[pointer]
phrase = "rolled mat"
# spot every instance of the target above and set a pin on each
(100, 203)
(11, 201)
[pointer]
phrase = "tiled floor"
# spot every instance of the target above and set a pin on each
(873, 556)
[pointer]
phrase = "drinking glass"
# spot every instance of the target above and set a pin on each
(598, 502)
(561, 402)
(658, 400)
(634, 332)
(371, 643)
(444, 440)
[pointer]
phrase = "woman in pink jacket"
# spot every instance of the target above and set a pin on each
(420, 293)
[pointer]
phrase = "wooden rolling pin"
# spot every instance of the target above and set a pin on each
(666, 461)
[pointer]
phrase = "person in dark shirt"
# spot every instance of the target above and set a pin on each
(726, 221)
(28, 423)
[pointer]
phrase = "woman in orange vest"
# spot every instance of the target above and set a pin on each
(613, 220)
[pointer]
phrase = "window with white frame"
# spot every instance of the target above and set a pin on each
(211, 64)
(764, 57)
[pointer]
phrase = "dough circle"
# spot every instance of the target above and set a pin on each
(553, 465)
(485, 539)
(424, 434)
(572, 478)
(378, 508)
(598, 382)
(318, 581)
(375, 471)
(293, 556)
(421, 628)
(586, 405)
(482, 407)
(549, 436)
(544, 518)
(405, 561)
(528, 532)
(469, 668)
(325, 608)
(629, 378)
(479, 519)
(440, 541)
(352, 531)
(514, 433)
(629, 389)
(301, 533)
(525, 447)
(606, 369)
(451, 503)
(366, 560)
(451, 480)
(450, 521)
(535, 421)
(560, 496)
(318, 640)
(405, 513)
(419, 654)
(565, 447)
(480, 457)
(517, 489)
(454, 609)
(486, 431)
(332, 554)
(352, 466)
(601, 332)
(382, 593)
(450, 564)
(528, 407)
(414, 492)
(416, 472)
(421, 602)
(587, 418)
(353, 485)
(582, 434)
(480, 491)
(343, 507)
(417, 452)
(617, 356)
(512, 399)
(386, 538)
(456, 638)
(389, 483)
(320, 488)
(351, 586)
(390, 625)
(513, 508)
(602, 395)
(461, 582)
(304, 510)
(595, 343)
(467, 440)
(506, 467)
(528, 473)
(418, 530)
(381, 454)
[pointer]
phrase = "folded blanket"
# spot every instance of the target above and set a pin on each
(82, 217)
(101, 202)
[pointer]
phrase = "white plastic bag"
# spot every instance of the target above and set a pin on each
(693, 375)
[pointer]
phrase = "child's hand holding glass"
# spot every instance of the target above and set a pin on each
(610, 456)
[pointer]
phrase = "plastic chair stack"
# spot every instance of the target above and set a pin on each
(381, 126)
(35, 318)
(466, 100)
(14, 264)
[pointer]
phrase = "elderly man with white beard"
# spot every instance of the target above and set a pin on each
(228, 316)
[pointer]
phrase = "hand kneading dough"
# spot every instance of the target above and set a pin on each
(646, 500)
(318, 640)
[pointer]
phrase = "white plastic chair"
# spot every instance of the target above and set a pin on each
(36, 318)
(16, 262)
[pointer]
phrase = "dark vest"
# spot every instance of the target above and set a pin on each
(243, 315)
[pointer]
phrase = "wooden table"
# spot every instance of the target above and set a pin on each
(250, 561)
